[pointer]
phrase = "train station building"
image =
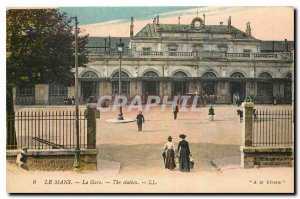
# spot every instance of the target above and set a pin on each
(179, 59)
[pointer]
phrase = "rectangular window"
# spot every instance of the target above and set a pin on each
(265, 89)
(125, 87)
(26, 91)
(58, 90)
(146, 51)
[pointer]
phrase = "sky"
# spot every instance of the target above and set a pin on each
(267, 23)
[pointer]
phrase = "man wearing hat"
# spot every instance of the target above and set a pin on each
(184, 154)
(140, 120)
(169, 154)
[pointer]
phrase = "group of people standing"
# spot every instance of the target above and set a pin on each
(183, 153)
(236, 99)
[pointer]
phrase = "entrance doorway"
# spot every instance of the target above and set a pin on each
(209, 88)
(88, 89)
(179, 88)
(288, 89)
(238, 88)
(151, 88)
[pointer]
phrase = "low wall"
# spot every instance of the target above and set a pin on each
(267, 156)
(56, 159)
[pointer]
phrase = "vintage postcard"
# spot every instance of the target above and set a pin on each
(150, 99)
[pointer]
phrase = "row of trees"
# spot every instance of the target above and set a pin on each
(39, 49)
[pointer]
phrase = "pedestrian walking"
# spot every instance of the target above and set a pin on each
(175, 111)
(184, 154)
(169, 154)
(211, 113)
(140, 120)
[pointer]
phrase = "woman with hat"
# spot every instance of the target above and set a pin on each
(169, 154)
(184, 154)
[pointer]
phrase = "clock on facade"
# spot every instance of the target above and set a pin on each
(197, 24)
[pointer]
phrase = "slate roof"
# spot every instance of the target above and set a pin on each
(276, 46)
(100, 41)
(149, 30)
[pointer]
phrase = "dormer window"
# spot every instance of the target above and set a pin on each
(197, 47)
(172, 47)
(223, 47)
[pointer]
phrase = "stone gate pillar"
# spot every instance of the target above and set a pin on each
(91, 125)
(247, 123)
(247, 159)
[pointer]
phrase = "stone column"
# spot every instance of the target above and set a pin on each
(91, 125)
(71, 91)
(247, 159)
(41, 94)
(247, 123)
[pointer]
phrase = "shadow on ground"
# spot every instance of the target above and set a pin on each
(149, 156)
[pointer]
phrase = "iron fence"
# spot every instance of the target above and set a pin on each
(273, 128)
(46, 130)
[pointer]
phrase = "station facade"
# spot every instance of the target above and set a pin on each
(179, 59)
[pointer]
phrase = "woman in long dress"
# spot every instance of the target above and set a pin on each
(184, 154)
(169, 152)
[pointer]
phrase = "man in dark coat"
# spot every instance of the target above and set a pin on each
(175, 111)
(140, 120)
(211, 112)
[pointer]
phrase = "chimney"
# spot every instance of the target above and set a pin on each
(131, 28)
(248, 29)
(157, 27)
(229, 24)
(179, 20)
(204, 19)
(286, 45)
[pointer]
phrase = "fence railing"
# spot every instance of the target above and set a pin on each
(273, 128)
(46, 130)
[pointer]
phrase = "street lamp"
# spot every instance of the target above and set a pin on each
(120, 48)
(77, 150)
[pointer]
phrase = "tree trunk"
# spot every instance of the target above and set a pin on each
(11, 141)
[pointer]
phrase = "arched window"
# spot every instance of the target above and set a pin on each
(289, 76)
(123, 74)
(265, 75)
(180, 74)
(125, 84)
(150, 74)
(89, 74)
(237, 75)
(209, 75)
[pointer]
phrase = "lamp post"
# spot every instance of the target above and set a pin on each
(76, 163)
(120, 48)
